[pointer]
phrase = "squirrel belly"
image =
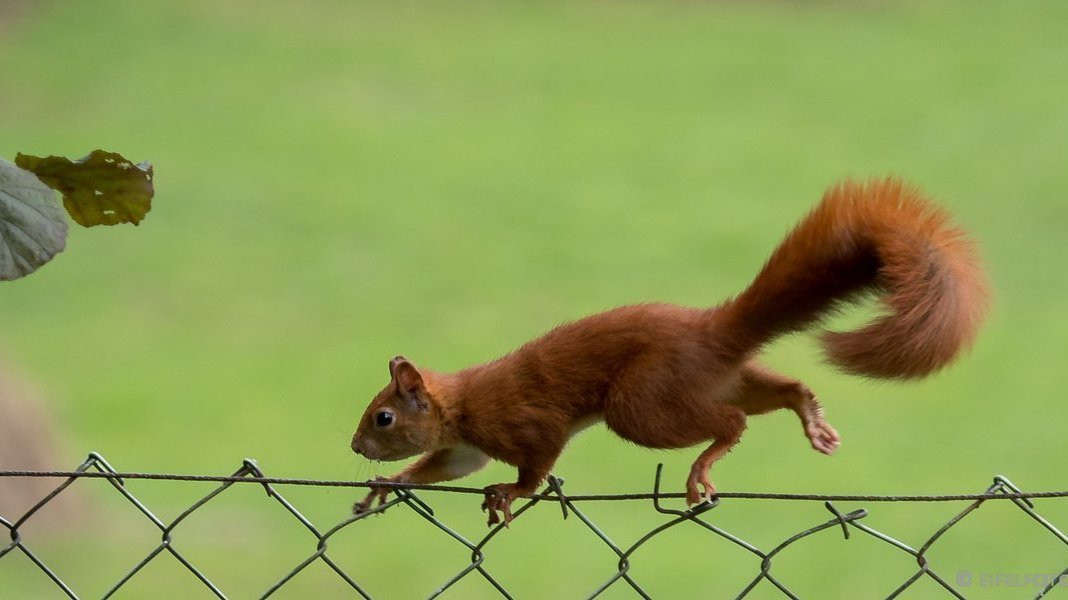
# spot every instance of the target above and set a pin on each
(666, 376)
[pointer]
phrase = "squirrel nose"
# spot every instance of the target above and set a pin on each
(356, 446)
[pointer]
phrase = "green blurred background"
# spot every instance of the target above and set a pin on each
(340, 182)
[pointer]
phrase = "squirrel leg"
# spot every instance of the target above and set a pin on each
(655, 410)
(683, 424)
(698, 486)
(432, 467)
(762, 390)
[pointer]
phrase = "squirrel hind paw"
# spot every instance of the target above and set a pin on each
(699, 488)
(823, 437)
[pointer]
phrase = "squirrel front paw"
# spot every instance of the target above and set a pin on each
(377, 496)
(499, 498)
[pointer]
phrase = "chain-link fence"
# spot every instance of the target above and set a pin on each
(406, 497)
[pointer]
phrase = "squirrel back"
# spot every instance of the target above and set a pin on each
(880, 237)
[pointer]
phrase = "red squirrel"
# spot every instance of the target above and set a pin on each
(667, 376)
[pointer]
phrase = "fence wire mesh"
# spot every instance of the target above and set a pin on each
(407, 497)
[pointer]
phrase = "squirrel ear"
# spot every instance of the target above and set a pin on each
(409, 381)
(393, 362)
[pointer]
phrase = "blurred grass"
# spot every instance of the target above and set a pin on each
(341, 182)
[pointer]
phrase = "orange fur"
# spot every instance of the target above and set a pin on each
(666, 376)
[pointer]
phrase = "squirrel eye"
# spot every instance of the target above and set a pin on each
(384, 419)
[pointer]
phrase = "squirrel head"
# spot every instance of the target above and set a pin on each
(403, 419)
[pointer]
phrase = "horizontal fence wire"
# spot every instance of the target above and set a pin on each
(405, 497)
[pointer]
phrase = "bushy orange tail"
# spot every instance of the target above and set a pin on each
(879, 237)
